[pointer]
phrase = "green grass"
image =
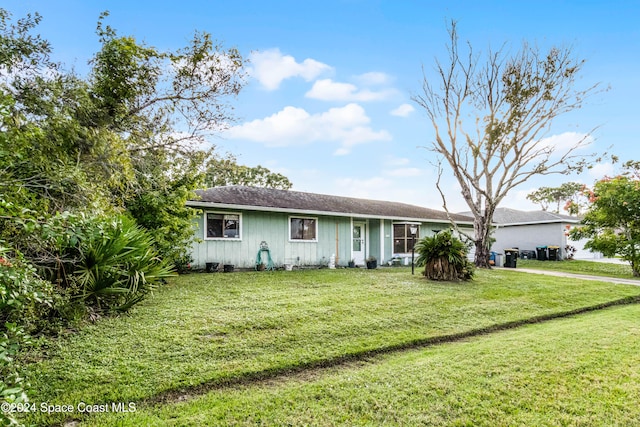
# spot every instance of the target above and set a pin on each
(573, 371)
(218, 329)
(581, 267)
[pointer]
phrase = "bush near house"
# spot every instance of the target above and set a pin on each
(444, 257)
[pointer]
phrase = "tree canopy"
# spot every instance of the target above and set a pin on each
(612, 222)
(569, 194)
(226, 171)
(95, 172)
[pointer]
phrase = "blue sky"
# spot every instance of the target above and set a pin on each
(328, 99)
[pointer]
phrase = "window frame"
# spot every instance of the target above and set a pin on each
(206, 220)
(315, 219)
(406, 238)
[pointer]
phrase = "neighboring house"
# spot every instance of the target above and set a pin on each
(306, 228)
(527, 230)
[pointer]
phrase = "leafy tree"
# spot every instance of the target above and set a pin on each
(163, 105)
(22, 52)
(512, 100)
(226, 171)
(159, 99)
(444, 257)
(158, 201)
(80, 156)
(612, 222)
(125, 138)
(569, 194)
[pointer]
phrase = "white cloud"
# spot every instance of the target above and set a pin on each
(405, 172)
(390, 189)
(397, 161)
(601, 170)
(373, 78)
(563, 142)
(403, 110)
(517, 199)
(348, 125)
(271, 67)
(328, 90)
(370, 188)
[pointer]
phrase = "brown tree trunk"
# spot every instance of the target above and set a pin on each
(481, 258)
(482, 231)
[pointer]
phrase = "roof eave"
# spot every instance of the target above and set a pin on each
(199, 204)
(552, 221)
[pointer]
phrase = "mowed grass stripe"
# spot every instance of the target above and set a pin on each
(219, 328)
(246, 378)
(582, 370)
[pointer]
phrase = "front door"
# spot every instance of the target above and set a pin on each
(358, 243)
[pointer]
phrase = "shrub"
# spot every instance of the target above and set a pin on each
(444, 257)
(22, 296)
(118, 264)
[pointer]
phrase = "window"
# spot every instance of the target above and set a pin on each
(402, 239)
(222, 226)
(305, 229)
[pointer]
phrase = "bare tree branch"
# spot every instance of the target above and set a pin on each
(515, 99)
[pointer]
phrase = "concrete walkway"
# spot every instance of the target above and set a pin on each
(574, 275)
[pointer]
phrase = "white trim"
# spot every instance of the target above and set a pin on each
(559, 221)
(393, 235)
(196, 204)
(303, 240)
(364, 235)
(226, 239)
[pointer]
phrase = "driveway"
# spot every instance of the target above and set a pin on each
(577, 276)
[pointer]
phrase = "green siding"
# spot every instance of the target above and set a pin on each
(374, 240)
(273, 227)
(388, 239)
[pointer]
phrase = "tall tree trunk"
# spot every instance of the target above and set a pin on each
(482, 231)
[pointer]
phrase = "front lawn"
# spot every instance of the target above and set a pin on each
(574, 371)
(206, 331)
(592, 268)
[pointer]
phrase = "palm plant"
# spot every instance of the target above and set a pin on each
(444, 257)
(118, 264)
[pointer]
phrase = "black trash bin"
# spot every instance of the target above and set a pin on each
(542, 253)
(511, 256)
(554, 253)
(527, 254)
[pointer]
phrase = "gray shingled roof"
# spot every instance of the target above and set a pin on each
(286, 200)
(506, 216)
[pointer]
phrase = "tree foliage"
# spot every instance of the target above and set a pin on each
(444, 257)
(23, 296)
(612, 222)
(512, 100)
(226, 171)
(570, 195)
(95, 171)
(162, 99)
(126, 138)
